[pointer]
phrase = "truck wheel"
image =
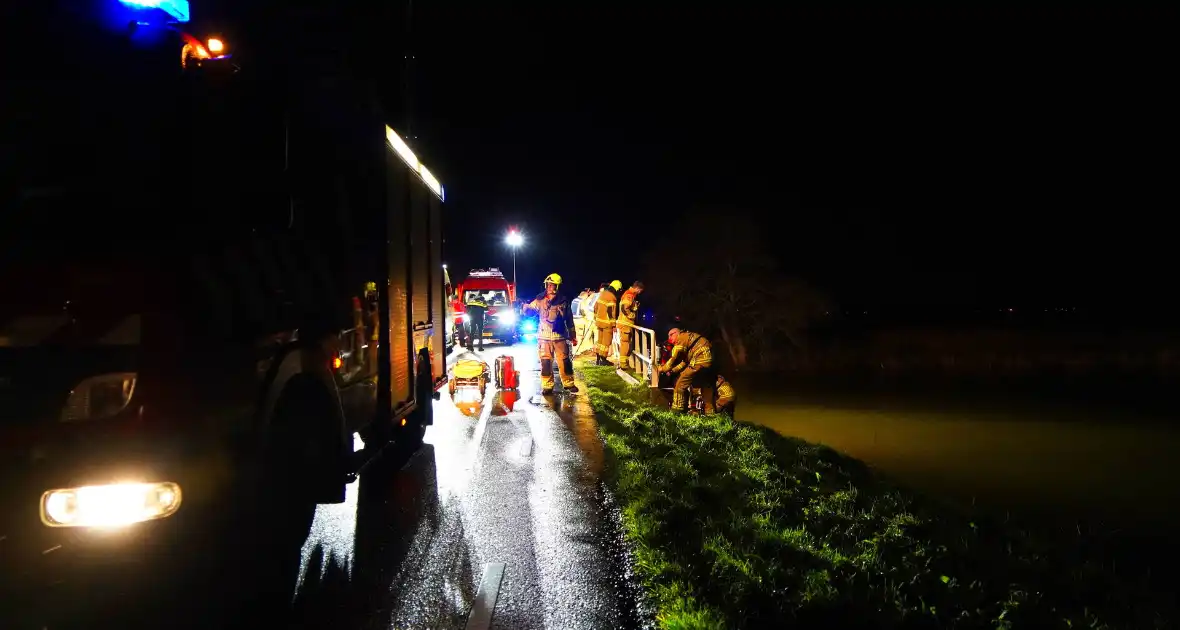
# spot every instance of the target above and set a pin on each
(303, 457)
(423, 416)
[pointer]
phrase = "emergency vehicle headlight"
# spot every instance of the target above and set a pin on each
(507, 317)
(99, 397)
(110, 505)
(530, 326)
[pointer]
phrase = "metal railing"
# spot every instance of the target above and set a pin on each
(645, 354)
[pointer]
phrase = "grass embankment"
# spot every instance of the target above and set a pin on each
(733, 525)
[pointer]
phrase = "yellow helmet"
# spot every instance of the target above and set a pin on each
(553, 278)
(616, 285)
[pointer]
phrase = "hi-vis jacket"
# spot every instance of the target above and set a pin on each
(627, 309)
(725, 393)
(554, 320)
(606, 308)
(691, 350)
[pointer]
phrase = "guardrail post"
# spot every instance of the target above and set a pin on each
(655, 363)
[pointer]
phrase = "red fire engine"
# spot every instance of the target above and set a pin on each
(500, 295)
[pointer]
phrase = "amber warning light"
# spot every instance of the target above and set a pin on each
(337, 362)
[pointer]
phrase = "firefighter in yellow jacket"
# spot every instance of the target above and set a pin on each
(606, 311)
(692, 355)
(555, 333)
(726, 397)
(628, 313)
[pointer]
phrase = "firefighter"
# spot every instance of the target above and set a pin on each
(691, 360)
(726, 397)
(628, 312)
(606, 311)
(477, 307)
(555, 333)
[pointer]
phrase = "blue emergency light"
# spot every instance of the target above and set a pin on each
(176, 9)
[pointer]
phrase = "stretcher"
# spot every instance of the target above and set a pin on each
(469, 373)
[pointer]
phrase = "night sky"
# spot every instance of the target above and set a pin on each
(895, 157)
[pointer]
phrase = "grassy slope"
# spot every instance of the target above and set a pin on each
(733, 525)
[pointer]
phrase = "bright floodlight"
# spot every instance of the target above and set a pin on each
(515, 239)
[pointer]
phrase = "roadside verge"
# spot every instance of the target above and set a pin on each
(732, 525)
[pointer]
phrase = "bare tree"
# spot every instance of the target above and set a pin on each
(716, 270)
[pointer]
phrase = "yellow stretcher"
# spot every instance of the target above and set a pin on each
(469, 373)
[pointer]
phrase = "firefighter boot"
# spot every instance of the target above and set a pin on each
(545, 350)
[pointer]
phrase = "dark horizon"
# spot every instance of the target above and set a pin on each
(893, 156)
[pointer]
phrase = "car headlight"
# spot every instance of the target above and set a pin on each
(109, 505)
(507, 317)
(99, 397)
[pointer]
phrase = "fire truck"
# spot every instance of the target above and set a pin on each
(219, 264)
(502, 321)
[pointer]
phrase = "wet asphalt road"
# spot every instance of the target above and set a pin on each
(506, 485)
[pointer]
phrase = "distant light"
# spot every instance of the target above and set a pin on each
(514, 239)
(216, 45)
(176, 9)
(444, 265)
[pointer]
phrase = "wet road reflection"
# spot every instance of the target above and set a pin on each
(505, 477)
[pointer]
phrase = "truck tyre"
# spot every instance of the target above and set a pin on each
(305, 458)
(423, 415)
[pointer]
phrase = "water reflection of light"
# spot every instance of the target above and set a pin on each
(451, 432)
(333, 529)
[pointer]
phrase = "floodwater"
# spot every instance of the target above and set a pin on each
(1095, 468)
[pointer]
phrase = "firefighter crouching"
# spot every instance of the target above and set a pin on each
(691, 360)
(628, 312)
(477, 308)
(726, 397)
(555, 333)
(606, 311)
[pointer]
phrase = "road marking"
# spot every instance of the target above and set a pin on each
(485, 598)
(526, 449)
(476, 447)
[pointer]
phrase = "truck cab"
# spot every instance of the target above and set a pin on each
(215, 274)
(502, 320)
